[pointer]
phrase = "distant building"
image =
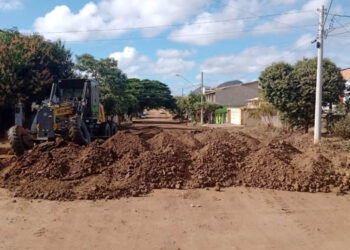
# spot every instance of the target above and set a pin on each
(346, 75)
(236, 95)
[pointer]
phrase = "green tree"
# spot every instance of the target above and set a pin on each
(291, 89)
(189, 106)
(112, 82)
(151, 94)
(28, 67)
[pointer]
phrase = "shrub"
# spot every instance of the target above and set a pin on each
(342, 128)
(265, 112)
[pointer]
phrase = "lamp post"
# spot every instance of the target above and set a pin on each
(182, 89)
(201, 91)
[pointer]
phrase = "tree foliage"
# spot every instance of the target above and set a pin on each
(189, 106)
(291, 89)
(28, 67)
(112, 82)
(342, 127)
(151, 94)
(265, 112)
(119, 94)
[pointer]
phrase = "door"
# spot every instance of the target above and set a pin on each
(236, 116)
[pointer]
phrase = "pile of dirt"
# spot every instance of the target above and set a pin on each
(133, 164)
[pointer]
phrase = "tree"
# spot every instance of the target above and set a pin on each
(28, 67)
(151, 94)
(189, 106)
(112, 82)
(291, 89)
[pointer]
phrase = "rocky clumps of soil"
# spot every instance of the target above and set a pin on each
(134, 163)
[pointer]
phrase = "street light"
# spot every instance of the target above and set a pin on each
(192, 84)
(182, 89)
(201, 91)
(181, 76)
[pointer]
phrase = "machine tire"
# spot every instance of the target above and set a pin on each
(78, 132)
(106, 130)
(20, 139)
(114, 128)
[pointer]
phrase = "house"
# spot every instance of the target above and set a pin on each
(235, 95)
(235, 98)
(346, 75)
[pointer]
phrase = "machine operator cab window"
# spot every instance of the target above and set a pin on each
(72, 90)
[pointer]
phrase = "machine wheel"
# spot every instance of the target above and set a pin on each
(20, 139)
(114, 128)
(78, 132)
(106, 130)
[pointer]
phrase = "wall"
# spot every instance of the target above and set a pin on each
(275, 121)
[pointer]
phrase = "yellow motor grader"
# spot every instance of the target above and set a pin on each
(73, 112)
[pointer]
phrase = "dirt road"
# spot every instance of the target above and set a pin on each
(234, 218)
(237, 218)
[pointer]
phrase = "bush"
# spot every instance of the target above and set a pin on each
(265, 112)
(342, 128)
(331, 119)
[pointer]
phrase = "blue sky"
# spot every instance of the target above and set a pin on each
(157, 39)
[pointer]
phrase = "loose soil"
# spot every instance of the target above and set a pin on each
(142, 158)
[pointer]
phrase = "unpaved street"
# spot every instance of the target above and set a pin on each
(237, 218)
(234, 218)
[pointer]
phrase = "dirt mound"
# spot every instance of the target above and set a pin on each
(134, 163)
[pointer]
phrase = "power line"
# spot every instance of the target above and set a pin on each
(185, 35)
(329, 8)
(345, 28)
(269, 16)
(341, 15)
(174, 25)
(342, 26)
(330, 27)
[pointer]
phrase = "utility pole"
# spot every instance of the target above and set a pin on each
(202, 97)
(318, 103)
(182, 91)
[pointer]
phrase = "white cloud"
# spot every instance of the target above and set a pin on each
(174, 53)
(304, 41)
(172, 61)
(115, 14)
(251, 60)
(130, 61)
(10, 4)
(169, 62)
(206, 29)
(284, 1)
(306, 16)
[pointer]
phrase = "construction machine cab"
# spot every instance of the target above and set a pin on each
(81, 93)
